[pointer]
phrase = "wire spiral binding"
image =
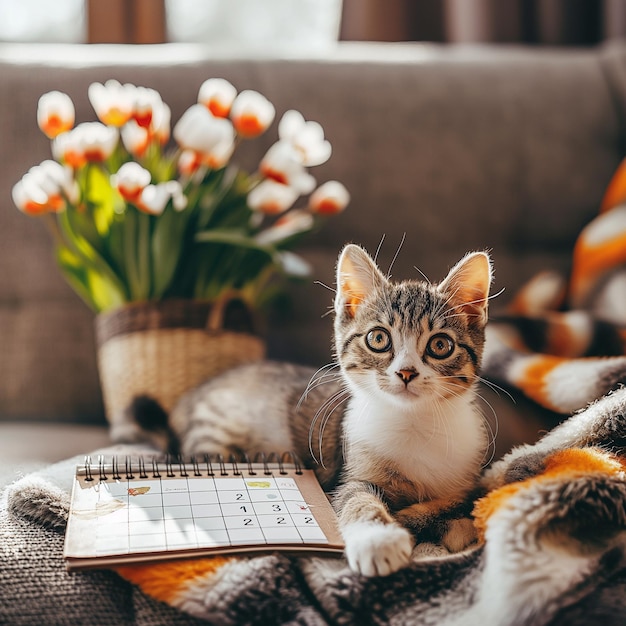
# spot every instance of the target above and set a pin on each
(204, 465)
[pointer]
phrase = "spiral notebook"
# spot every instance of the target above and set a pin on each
(135, 510)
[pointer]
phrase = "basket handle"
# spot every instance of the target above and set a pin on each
(216, 316)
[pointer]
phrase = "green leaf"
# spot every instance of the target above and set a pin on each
(130, 253)
(116, 247)
(168, 242)
(143, 255)
(233, 237)
(86, 252)
(98, 293)
(75, 273)
(101, 197)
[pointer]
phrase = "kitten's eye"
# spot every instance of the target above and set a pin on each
(378, 340)
(440, 346)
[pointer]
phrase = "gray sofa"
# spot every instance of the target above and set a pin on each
(506, 149)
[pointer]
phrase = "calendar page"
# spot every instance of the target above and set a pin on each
(133, 518)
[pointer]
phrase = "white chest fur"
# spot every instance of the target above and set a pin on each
(437, 447)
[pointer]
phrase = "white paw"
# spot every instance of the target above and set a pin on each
(375, 549)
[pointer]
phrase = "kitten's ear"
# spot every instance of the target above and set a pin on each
(357, 275)
(467, 285)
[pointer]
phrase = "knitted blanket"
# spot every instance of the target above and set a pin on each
(552, 519)
(553, 551)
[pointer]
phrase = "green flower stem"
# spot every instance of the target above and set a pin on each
(130, 253)
(92, 259)
(143, 256)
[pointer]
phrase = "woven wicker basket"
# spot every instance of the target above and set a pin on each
(163, 349)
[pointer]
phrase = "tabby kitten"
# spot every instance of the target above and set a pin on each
(407, 450)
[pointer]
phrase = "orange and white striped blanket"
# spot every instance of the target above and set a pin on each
(562, 342)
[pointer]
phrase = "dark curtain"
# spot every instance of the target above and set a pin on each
(541, 22)
(126, 21)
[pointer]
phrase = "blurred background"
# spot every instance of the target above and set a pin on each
(313, 24)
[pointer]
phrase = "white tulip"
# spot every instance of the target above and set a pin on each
(200, 131)
(55, 113)
(112, 102)
(89, 141)
(306, 137)
(135, 138)
(330, 198)
(217, 95)
(272, 198)
(251, 113)
(131, 179)
(282, 164)
(45, 188)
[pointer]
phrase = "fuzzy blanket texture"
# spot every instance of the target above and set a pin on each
(552, 521)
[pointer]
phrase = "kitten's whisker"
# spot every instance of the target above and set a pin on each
(325, 421)
(498, 293)
(331, 378)
(395, 256)
(319, 282)
(324, 371)
(328, 376)
(496, 388)
(443, 423)
(315, 380)
(492, 431)
(417, 269)
(477, 301)
(380, 245)
(323, 410)
(365, 305)
(444, 304)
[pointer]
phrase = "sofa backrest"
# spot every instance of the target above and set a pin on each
(506, 149)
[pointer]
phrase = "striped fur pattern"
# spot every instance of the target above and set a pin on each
(562, 342)
(391, 426)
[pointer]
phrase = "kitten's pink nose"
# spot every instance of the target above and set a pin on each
(407, 375)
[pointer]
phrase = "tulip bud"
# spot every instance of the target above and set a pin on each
(251, 114)
(271, 198)
(330, 198)
(201, 131)
(45, 188)
(135, 138)
(55, 113)
(153, 199)
(112, 102)
(217, 95)
(282, 164)
(306, 137)
(89, 141)
(131, 179)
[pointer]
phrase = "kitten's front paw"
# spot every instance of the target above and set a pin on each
(375, 549)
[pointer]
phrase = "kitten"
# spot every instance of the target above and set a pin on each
(407, 450)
